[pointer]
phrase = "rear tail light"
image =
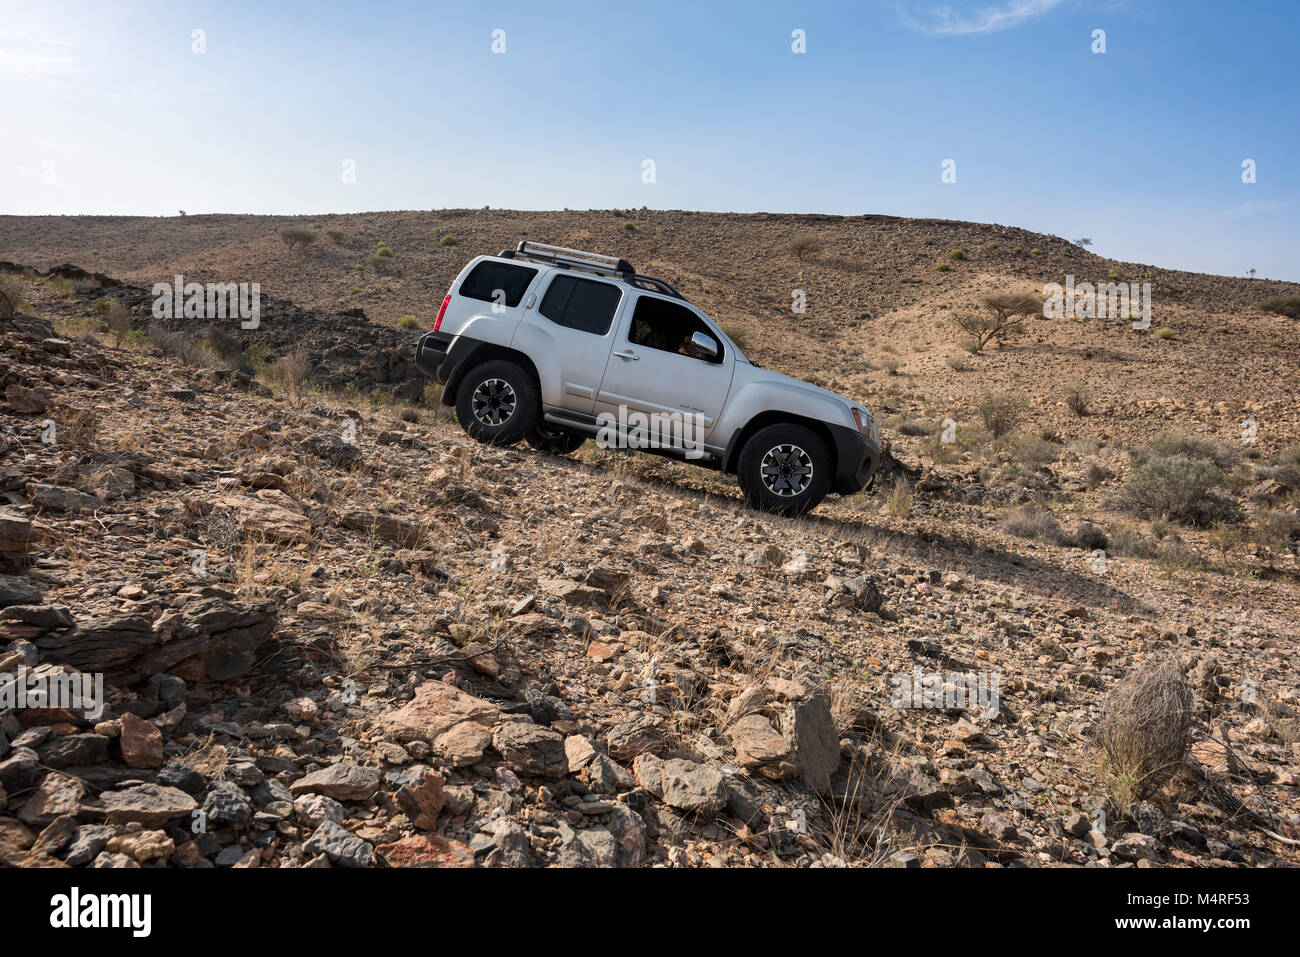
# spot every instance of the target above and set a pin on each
(437, 323)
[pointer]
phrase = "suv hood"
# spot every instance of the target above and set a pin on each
(759, 374)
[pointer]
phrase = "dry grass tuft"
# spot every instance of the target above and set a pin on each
(1145, 729)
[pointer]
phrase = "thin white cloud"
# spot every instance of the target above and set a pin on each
(30, 63)
(944, 21)
(1256, 207)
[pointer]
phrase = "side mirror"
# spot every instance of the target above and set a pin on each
(702, 346)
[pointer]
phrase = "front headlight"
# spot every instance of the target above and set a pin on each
(866, 424)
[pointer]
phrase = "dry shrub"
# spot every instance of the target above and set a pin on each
(168, 341)
(1285, 467)
(191, 351)
(1025, 521)
(119, 323)
(292, 371)
(1169, 444)
(224, 344)
(298, 236)
(1094, 474)
(76, 427)
(1178, 488)
(1004, 316)
(1090, 537)
(1283, 306)
(1033, 450)
(1076, 398)
(1145, 729)
(805, 244)
(11, 296)
(899, 500)
(999, 412)
(1274, 528)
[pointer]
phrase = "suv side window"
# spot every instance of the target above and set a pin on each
(582, 304)
(485, 279)
(660, 324)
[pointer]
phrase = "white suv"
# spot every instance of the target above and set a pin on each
(556, 346)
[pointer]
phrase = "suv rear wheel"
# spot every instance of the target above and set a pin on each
(784, 468)
(547, 438)
(497, 402)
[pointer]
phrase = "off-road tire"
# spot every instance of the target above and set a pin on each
(497, 402)
(784, 469)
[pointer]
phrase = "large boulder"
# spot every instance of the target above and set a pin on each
(458, 725)
(15, 539)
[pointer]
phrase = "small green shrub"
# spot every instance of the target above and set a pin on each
(1168, 444)
(447, 240)
(1285, 467)
(258, 355)
(1033, 450)
(1177, 488)
(1288, 306)
(408, 322)
(298, 236)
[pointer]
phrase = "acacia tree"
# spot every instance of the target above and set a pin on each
(297, 236)
(1003, 316)
(805, 244)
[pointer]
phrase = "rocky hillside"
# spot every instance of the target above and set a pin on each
(878, 297)
(335, 632)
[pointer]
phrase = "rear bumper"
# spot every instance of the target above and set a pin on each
(430, 353)
(857, 459)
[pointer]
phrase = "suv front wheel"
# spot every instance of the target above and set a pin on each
(784, 468)
(497, 402)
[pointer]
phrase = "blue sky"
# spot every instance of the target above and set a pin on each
(107, 109)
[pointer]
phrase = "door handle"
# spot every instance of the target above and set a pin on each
(629, 354)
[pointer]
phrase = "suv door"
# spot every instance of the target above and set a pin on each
(572, 326)
(652, 369)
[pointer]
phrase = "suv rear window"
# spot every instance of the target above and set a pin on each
(487, 277)
(581, 304)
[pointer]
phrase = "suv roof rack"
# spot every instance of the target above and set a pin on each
(601, 265)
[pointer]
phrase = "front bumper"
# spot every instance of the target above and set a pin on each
(857, 459)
